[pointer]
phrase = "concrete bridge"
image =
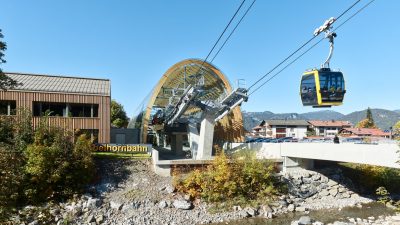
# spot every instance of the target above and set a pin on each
(302, 155)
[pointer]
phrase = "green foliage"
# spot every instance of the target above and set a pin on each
(118, 115)
(240, 177)
(55, 166)
(372, 177)
(396, 130)
(384, 198)
(311, 133)
(48, 166)
(5, 81)
(368, 122)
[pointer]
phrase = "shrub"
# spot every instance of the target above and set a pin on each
(241, 176)
(56, 168)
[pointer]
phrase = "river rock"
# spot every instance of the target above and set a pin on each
(251, 211)
(92, 203)
(182, 204)
(170, 189)
(291, 208)
(162, 204)
(115, 205)
(396, 218)
(99, 219)
(323, 193)
(300, 209)
(333, 192)
(90, 219)
(305, 220)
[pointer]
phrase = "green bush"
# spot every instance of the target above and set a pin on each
(241, 176)
(56, 167)
(39, 165)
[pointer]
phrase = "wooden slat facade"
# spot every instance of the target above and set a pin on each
(102, 122)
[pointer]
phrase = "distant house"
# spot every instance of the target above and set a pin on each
(364, 132)
(281, 128)
(328, 128)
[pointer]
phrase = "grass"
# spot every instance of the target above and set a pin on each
(121, 155)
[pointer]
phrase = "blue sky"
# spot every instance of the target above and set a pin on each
(134, 42)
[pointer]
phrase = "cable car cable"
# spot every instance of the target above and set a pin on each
(220, 36)
(297, 50)
(280, 71)
(226, 40)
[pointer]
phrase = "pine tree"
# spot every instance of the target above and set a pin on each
(368, 122)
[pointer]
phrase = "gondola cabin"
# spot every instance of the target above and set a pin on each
(322, 88)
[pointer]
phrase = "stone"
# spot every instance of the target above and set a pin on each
(99, 219)
(182, 204)
(307, 180)
(170, 189)
(291, 207)
(345, 195)
(162, 204)
(333, 192)
(323, 193)
(93, 203)
(341, 223)
(305, 220)
(115, 205)
(35, 222)
(237, 208)
(396, 218)
(251, 211)
(127, 207)
(316, 177)
(90, 219)
(332, 183)
(301, 209)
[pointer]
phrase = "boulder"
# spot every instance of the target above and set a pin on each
(115, 205)
(182, 204)
(162, 204)
(291, 207)
(93, 203)
(305, 220)
(301, 209)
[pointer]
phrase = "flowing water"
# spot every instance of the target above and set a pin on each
(326, 215)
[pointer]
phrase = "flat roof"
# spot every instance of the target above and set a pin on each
(61, 84)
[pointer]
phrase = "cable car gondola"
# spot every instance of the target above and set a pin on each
(323, 87)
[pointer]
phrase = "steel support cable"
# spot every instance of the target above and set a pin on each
(220, 36)
(297, 58)
(301, 47)
(238, 23)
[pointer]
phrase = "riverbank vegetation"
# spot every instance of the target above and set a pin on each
(238, 179)
(42, 165)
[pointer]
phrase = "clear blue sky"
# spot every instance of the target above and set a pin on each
(134, 42)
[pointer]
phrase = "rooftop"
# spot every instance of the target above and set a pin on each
(330, 123)
(62, 84)
(287, 123)
(366, 131)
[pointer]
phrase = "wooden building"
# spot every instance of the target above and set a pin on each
(78, 104)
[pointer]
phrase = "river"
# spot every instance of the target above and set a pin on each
(326, 215)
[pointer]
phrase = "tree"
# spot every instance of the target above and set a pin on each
(368, 122)
(118, 115)
(396, 130)
(5, 81)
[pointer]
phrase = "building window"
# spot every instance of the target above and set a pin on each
(8, 107)
(65, 109)
(280, 130)
(83, 110)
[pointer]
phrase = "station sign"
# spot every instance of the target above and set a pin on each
(123, 148)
